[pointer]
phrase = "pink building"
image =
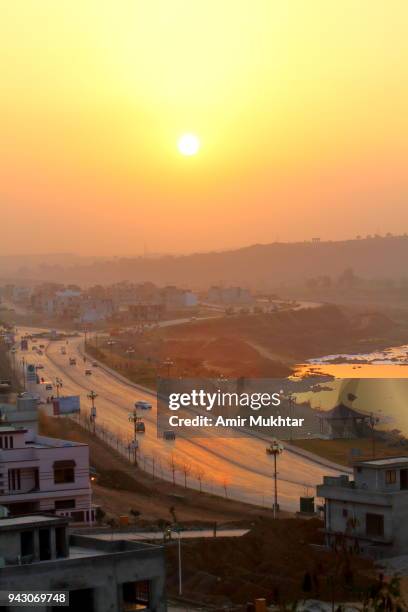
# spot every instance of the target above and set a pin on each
(47, 475)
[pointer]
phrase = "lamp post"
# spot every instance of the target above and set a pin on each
(168, 363)
(92, 396)
(58, 385)
(133, 418)
(275, 449)
(24, 372)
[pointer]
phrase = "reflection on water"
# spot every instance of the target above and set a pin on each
(378, 381)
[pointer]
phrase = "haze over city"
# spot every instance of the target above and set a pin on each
(299, 111)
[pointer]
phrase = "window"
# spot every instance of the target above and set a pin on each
(62, 475)
(6, 442)
(14, 480)
(374, 524)
(64, 471)
(63, 504)
(135, 595)
(390, 476)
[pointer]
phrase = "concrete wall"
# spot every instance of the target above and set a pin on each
(105, 573)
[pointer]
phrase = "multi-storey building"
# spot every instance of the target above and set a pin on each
(40, 474)
(368, 514)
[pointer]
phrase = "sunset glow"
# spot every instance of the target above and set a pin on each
(188, 144)
(302, 108)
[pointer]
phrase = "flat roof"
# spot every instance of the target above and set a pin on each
(12, 428)
(33, 519)
(383, 462)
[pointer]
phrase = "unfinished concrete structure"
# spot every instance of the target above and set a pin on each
(36, 553)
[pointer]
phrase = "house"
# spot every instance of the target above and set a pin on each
(173, 298)
(229, 295)
(40, 474)
(368, 514)
(23, 413)
(38, 554)
(92, 310)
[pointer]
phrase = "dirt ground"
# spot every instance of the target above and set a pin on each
(277, 560)
(121, 487)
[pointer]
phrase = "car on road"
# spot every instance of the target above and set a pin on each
(48, 387)
(88, 372)
(143, 405)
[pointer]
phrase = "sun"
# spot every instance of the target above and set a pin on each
(188, 144)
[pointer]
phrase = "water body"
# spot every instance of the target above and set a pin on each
(377, 380)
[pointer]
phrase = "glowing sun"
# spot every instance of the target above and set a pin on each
(188, 144)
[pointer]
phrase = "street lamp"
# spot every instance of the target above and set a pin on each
(275, 449)
(92, 396)
(58, 385)
(167, 535)
(133, 418)
(168, 363)
(23, 362)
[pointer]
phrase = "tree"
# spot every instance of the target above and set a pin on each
(186, 469)
(173, 467)
(199, 472)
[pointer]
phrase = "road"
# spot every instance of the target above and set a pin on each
(238, 468)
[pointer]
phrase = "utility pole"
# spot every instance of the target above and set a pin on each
(275, 449)
(373, 422)
(85, 334)
(92, 396)
(291, 407)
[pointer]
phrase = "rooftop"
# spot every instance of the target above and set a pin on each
(31, 520)
(383, 462)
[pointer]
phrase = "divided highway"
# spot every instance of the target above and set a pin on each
(238, 467)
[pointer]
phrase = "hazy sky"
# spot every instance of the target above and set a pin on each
(300, 106)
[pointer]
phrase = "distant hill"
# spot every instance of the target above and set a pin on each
(258, 266)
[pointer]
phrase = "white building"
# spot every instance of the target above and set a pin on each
(40, 474)
(93, 310)
(368, 514)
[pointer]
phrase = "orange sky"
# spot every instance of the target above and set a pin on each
(300, 106)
